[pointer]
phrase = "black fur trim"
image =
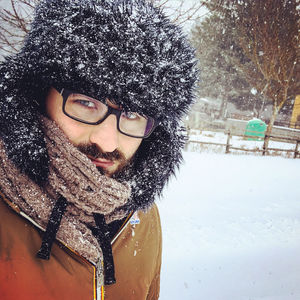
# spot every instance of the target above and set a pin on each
(125, 50)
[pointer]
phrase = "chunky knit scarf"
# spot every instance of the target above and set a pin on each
(72, 177)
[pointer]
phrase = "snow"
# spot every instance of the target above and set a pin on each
(231, 229)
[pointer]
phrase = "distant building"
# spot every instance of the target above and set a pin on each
(295, 119)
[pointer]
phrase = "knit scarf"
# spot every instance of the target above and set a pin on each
(73, 176)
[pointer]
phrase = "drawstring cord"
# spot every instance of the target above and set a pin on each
(101, 232)
(52, 228)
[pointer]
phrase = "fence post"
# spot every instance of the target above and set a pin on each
(228, 142)
(186, 145)
(264, 145)
(296, 149)
(187, 142)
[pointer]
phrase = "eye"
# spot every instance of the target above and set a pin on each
(85, 103)
(130, 115)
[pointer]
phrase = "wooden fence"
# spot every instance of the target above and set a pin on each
(228, 146)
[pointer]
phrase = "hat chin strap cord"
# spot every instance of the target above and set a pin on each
(52, 228)
(101, 232)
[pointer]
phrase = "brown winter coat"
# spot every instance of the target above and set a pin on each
(68, 276)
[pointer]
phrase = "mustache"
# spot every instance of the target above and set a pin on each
(95, 152)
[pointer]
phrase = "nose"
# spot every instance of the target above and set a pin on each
(106, 135)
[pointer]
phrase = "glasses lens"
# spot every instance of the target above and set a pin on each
(135, 124)
(89, 110)
(85, 108)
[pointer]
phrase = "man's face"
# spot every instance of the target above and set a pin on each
(108, 149)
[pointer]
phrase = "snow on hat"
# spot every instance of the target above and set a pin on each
(124, 50)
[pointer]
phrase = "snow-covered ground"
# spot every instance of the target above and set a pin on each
(231, 229)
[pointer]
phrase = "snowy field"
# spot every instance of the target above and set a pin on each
(231, 229)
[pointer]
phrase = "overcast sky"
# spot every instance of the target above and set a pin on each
(172, 3)
(187, 5)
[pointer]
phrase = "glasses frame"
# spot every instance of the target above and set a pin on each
(110, 111)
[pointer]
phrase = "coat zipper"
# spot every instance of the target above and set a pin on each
(99, 270)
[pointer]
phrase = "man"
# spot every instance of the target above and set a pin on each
(90, 113)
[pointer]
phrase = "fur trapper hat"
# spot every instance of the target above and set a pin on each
(125, 50)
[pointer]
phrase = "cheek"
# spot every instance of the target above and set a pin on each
(128, 146)
(74, 131)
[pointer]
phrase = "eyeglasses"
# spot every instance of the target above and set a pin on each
(91, 111)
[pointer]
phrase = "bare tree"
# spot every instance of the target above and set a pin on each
(268, 33)
(270, 39)
(14, 24)
(179, 11)
(16, 17)
(219, 54)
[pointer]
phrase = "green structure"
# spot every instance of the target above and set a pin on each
(255, 130)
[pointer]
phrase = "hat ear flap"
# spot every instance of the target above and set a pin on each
(156, 160)
(21, 133)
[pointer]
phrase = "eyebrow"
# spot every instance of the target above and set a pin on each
(113, 104)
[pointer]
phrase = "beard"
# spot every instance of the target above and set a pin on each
(92, 150)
